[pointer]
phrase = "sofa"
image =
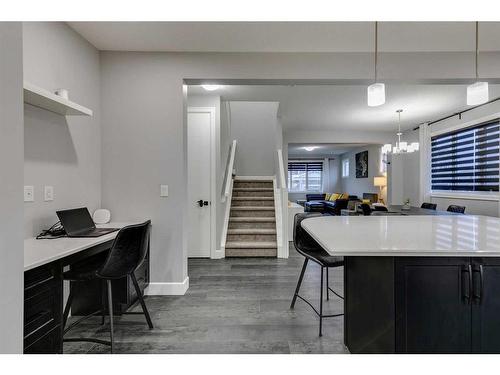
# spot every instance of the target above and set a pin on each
(320, 203)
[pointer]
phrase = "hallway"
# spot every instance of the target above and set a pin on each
(232, 306)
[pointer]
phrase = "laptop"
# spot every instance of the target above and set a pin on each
(77, 222)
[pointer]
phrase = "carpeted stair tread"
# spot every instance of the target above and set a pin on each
(251, 231)
(251, 245)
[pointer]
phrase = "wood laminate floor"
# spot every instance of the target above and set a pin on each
(239, 305)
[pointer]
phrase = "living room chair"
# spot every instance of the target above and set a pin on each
(311, 250)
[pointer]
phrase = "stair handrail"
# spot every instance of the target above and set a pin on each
(229, 171)
(281, 172)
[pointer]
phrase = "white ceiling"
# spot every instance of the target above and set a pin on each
(288, 36)
(321, 150)
(329, 107)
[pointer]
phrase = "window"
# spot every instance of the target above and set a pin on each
(345, 168)
(467, 159)
(305, 176)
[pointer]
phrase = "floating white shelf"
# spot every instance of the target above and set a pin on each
(42, 98)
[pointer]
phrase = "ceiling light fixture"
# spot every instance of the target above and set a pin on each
(310, 148)
(477, 93)
(401, 147)
(376, 92)
(210, 87)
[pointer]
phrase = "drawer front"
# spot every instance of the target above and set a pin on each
(50, 343)
(42, 304)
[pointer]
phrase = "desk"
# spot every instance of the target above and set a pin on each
(44, 261)
(417, 284)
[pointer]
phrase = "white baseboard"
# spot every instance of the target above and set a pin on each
(168, 289)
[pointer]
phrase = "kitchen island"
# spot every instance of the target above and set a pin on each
(417, 284)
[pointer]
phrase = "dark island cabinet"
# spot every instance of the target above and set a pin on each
(422, 304)
(433, 311)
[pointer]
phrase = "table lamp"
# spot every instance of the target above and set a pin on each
(380, 181)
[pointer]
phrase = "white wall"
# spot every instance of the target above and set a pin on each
(64, 152)
(358, 186)
(11, 187)
(255, 126)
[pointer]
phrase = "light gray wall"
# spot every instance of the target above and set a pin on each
(11, 187)
(64, 152)
(144, 123)
(358, 186)
(254, 126)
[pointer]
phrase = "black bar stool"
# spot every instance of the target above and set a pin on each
(311, 250)
(127, 253)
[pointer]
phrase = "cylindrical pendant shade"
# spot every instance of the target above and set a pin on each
(477, 93)
(376, 94)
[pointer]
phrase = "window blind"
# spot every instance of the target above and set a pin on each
(467, 159)
(305, 166)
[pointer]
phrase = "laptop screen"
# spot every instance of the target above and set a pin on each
(76, 220)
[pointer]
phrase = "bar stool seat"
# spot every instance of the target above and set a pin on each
(321, 257)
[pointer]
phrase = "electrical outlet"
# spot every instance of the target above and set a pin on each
(29, 193)
(48, 193)
(163, 190)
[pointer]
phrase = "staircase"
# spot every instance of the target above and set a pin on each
(252, 222)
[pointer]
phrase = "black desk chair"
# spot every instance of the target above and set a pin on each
(311, 250)
(455, 208)
(429, 206)
(126, 255)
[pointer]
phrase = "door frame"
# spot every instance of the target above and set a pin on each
(213, 186)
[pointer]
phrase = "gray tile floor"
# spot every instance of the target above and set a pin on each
(232, 306)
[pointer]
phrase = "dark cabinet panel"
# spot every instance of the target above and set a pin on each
(486, 305)
(432, 305)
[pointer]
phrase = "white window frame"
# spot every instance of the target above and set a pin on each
(307, 177)
(346, 165)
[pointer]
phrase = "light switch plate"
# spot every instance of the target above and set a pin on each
(48, 193)
(163, 190)
(29, 193)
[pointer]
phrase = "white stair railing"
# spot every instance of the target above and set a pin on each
(227, 195)
(282, 209)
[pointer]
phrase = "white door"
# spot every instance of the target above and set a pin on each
(199, 135)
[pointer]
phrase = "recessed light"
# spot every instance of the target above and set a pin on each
(211, 87)
(310, 148)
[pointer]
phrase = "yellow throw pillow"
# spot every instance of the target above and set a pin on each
(334, 197)
(327, 196)
(367, 201)
(344, 196)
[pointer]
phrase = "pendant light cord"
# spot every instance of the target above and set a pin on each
(477, 47)
(376, 49)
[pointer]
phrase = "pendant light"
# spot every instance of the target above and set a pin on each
(477, 93)
(401, 147)
(376, 92)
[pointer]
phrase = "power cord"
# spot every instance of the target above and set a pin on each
(55, 231)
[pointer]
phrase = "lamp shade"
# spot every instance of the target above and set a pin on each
(376, 94)
(380, 181)
(477, 93)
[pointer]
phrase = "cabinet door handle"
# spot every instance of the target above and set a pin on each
(478, 297)
(466, 283)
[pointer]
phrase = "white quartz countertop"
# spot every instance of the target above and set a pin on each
(40, 252)
(457, 235)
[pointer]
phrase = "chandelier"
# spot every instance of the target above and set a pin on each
(400, 147)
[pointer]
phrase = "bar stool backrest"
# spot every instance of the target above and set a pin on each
(302, 241)
(429, 206)
(455, 208)
(127, 252)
